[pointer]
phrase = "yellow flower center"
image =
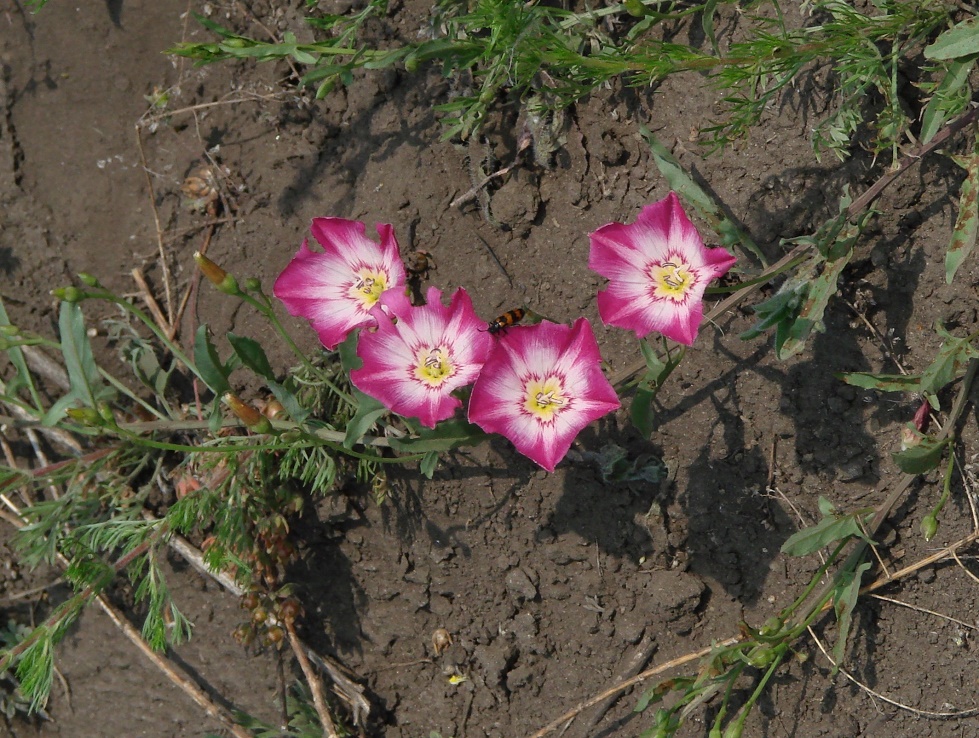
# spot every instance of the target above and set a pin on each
(672, 279)
(367, 286)
(544, 398)
(433, 366)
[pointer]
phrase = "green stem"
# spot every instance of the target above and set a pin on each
(123, 389)
(759, 690)
(269, 313)
(814, 581)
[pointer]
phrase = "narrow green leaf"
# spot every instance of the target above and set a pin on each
(368, 411)
(921, 458)
(641, 412)
(445, 436)
(826, 531)
(83, 374)
(967, 223)
(429, 464)
(731, 234)
(212, 371)
(22, 376)
(780, 309)
(289, 401)
(949, 364)
(882, 382)
(958, 41)
(810, 315)
(844, 600)
(950, 95)
(252, 355)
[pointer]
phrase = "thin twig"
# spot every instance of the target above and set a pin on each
(637, 679)
(925, 610)
(156, 219)
(922, 713)
(165, 665)
(474, 191)
(958, 561)
(313, 680)
(154, 307)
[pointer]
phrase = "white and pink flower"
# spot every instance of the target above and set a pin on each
(412, 365)
(658, 269)
(540, 386)
(336, 289)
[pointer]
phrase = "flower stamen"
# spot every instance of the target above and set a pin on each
(672, 279)
(367, 286)
(434, 366)
(545, 398)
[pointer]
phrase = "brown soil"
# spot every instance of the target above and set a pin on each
(549, 584)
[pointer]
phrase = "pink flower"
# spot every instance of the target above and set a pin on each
(540, 386)
(658, 269)
(413, 365)
(335, 289)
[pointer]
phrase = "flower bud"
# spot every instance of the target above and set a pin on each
(85, 415)
(635, 8)
(88, 280)
(106, 413)
(9, 330)
(929, 526)
(216, 275)
(69, 294)
(253, 285)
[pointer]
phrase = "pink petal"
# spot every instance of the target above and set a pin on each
(626, 254)
(314, 285)
(390, 354)
(539, 352)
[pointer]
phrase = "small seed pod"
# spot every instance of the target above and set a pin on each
(273, 409)
(441, 640)
(290, 610)
(275, 635)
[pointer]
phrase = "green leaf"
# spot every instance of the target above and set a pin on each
(429, 464)
(83, 374)
(731, 234)
(445, 436)
(86, 386)
(921, 458)
(22, 376)
(822, 286)
(949, 364)
(289, 401)
(641, 412)
(212, 371)
(252, 355)
(368, 411)
(779, 310)
(951, 94)
(826, 508)
(348, 352)
(828, 530)
(958, 41)
(967, 223)
(882, 382)
(844, 600)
